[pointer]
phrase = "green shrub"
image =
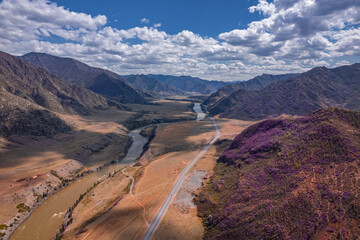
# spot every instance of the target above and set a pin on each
(22, 207)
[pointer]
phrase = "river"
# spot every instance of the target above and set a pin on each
(200, 114)
(46, 219)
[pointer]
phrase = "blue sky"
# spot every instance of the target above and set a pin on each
(216, 40)
(204, 17)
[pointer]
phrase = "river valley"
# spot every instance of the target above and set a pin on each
(46, 219)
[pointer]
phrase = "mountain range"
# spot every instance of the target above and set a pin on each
(256, 83)
(190, 84)
(312, 90)
(31, 95)
(64, 85)
(103, 82)
(152, 86)
(124, 89)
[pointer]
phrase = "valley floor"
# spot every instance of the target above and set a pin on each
(174, 146)
(32, 169)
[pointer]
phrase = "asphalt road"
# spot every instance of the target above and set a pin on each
(177, 185)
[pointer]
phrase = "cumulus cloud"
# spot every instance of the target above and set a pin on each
(264, 7)
(145, 20)
(26, 20)
(292, 36)
(298, 29)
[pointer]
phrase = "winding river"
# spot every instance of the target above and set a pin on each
(46, 219)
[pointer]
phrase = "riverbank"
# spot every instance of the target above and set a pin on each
(47, 218)
(115, 188)
(156, 171)
(181, 109)
(33, 191)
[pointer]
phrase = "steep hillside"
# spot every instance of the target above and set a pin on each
(68, 69)
(190, 84)
(40, 87)
(288, 179)
(30, 98)
(317, 88)
(256, 83)
(83, 75)
(19, 116)
(115, 90)
(153, 86)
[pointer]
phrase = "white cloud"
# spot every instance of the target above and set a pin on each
(26, 20)
(292, 36)
(264, 7)
(300, 29)
(145, 20)
(341, 63)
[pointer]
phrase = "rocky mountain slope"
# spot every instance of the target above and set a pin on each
(111, 87)
(153, 86)
(29, 94)
(288, 179)
(78, 73)
(19, 116)
(256, 83)
(317, 88)
(190, 84)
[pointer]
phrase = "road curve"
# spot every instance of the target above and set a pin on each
(129, 176)
(176, 187)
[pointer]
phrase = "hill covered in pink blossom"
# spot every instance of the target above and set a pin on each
(288, 179)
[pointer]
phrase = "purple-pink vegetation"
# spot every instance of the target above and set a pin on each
(287, 180)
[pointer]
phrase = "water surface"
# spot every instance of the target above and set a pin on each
(200, 114)
(46, 219)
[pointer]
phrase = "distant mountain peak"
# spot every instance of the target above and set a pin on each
(190, 84)
(81, 74)
(317, 88)
(255, 83)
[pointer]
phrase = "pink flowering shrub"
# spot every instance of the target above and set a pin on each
(288, 179)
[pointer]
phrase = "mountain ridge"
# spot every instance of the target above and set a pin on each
(81, 74)
(255, 83)
(190, 84)
(30, 97)
(317, 88)
(153, 86)
(39, 86)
